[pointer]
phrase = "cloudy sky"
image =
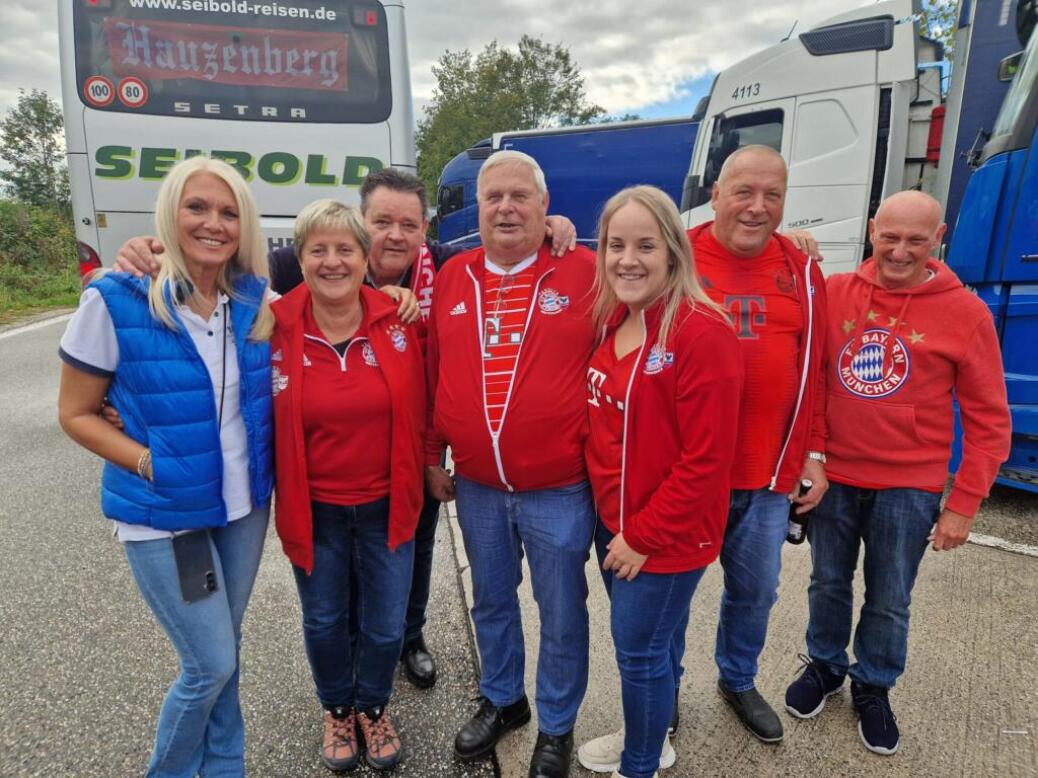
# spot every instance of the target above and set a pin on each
(650, 57)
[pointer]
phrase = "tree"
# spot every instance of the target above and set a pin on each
(32, 148)
(938, 22)
(537, 85)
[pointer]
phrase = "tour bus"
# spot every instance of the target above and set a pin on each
(304, 97)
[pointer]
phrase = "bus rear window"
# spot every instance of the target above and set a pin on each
(305, 61)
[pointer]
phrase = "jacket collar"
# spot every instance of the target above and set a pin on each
(288, 311)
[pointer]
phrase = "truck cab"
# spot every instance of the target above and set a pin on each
(849, 108)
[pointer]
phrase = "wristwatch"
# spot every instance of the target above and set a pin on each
(817, 456)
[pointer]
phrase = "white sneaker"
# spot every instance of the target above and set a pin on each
(602, 755)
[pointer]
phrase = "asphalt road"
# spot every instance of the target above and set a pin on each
(84, 667)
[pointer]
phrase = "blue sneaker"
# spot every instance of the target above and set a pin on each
(877, 725)
(805, 697)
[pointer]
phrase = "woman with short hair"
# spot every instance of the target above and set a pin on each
(349, 407)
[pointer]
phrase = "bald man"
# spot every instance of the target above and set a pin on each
(903, 334)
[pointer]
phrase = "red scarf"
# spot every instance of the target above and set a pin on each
(423, 272)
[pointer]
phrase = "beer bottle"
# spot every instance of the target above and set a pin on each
(797, 531)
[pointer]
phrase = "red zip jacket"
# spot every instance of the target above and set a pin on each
(681, 416)
(404, 374)
(540, 444)
(806, 430)
(890, 408)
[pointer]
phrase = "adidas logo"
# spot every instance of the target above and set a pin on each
(459, 309)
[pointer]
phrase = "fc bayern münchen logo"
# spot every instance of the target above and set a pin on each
(658, 359)
(398, 338)
(369, 355)
(551, 302)
(862, 374)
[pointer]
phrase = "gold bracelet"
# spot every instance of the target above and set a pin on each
(144, 464)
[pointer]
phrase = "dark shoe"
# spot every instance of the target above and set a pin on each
(481, 733)
(805, 697)
(877, 724)
(755, 714)
(419, 665)
(675, 719)
(551, 756)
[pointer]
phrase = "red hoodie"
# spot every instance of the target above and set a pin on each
(540, 443)
(806, 429)
(890, 409)
(398, 351)
(680, 418)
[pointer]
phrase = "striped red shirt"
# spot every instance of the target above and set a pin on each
(506, 306)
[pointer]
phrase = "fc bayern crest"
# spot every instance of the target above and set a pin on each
(551, 302)
(863, 373)
(369, 355)
(279, 380)
(658, 360)
(398, 337)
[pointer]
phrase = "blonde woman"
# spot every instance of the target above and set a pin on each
(188, 477)
(663, 405)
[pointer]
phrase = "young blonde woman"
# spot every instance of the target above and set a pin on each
(187, 479)
(663, 404)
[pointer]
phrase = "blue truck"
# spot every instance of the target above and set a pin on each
(995, 246)
(584, 166)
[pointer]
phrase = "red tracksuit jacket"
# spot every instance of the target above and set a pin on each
(404, 374)
(540, 443)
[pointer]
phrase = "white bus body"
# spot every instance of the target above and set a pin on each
(849, 109)
(304, 97)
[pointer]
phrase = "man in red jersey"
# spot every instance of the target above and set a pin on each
(510, 336)
(775, 296)
(903, 333)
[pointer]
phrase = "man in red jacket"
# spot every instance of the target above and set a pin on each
(510, 336)
(775, 295)
(903, 334)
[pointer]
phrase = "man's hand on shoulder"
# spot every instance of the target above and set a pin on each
(562, 233)
(139, 256)
(806, 242)
(951, 531)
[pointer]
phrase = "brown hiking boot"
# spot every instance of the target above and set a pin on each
(383, 749)
(339, 751)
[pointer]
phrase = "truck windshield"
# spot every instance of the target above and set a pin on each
(734, 132)
(1023, 86)
(317, 61)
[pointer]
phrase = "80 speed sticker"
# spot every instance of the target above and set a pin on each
(133, 92)
(98, 91)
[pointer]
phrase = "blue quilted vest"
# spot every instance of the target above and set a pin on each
(165, 396)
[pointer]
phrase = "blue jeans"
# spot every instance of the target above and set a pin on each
(424, 545)
(751, 557)
(351, 550)
(646, 616)
(554, 527)
(200, 729)
(894, 525)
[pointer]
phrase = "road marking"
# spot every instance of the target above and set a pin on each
(35, 326)
(1003, 545)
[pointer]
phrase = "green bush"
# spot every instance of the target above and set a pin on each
(38, 264)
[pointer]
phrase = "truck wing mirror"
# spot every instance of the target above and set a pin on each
(1009, 65)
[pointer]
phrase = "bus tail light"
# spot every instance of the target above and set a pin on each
(89, 261)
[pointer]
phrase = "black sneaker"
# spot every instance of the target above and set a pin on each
(877, 724)
(755, 714)
(805, 697)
